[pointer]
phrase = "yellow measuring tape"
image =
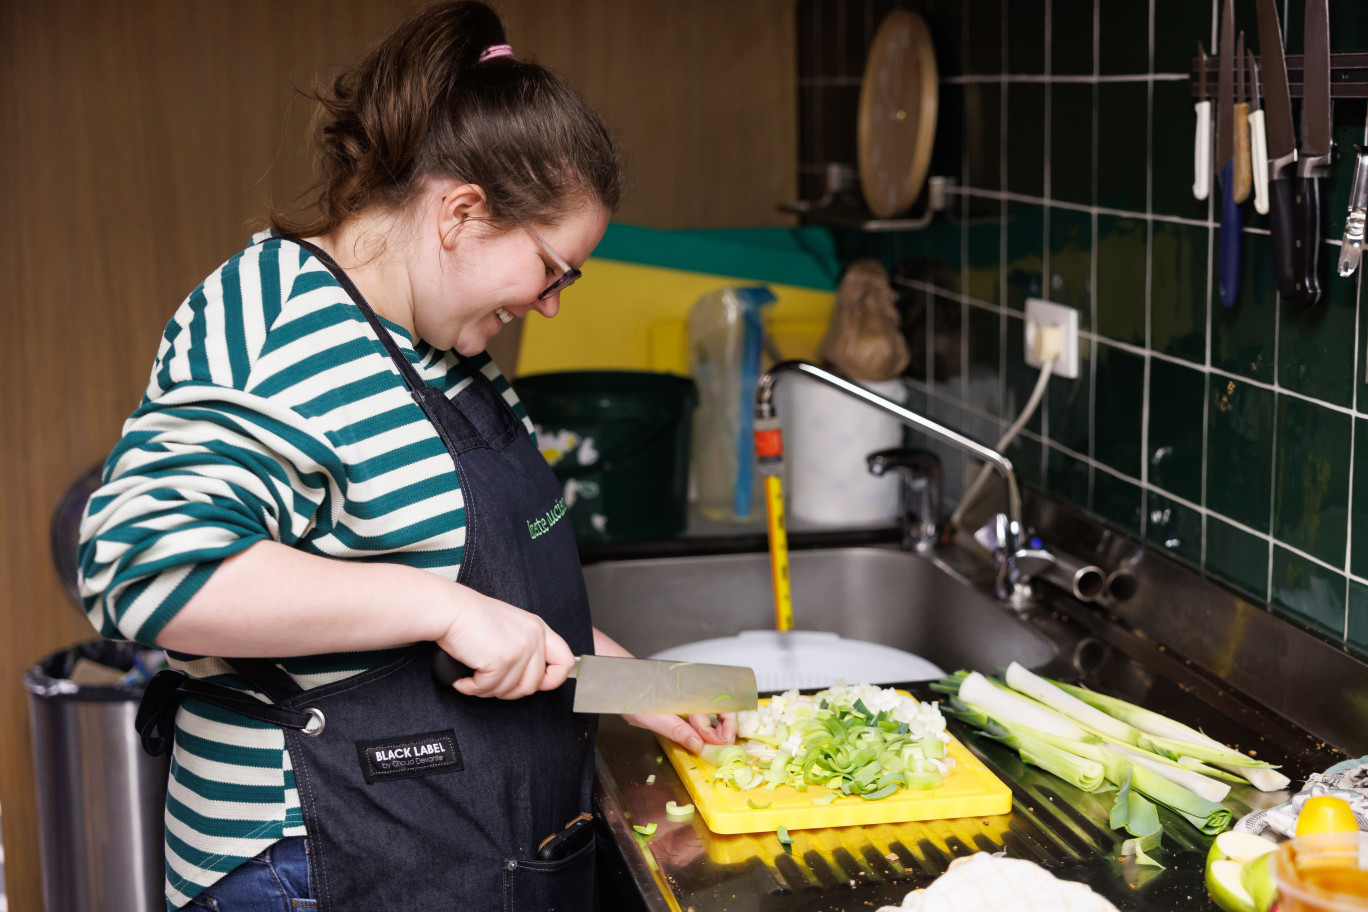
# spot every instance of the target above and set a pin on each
(778, 546)
(769, 450)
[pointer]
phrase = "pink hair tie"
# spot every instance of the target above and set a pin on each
(496, 50)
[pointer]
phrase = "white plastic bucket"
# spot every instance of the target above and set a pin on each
(827, 435)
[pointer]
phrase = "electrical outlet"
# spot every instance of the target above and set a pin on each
(1043, 313)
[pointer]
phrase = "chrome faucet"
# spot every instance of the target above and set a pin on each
(1015, 562)
(921, 476)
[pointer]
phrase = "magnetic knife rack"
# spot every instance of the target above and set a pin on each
(1348, 75)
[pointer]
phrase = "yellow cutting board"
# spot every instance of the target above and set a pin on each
(970, 790)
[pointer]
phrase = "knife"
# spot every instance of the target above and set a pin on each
(1232, 229)
(1258, 138)
(1317, 146)
(1201, 146)
(611, 684)
(1241, 182)
(1282, 154)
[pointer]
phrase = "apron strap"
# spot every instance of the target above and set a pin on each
(401, 361)
(424, 395)
(267, 677)
(156, 717)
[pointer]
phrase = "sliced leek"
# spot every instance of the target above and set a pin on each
(1176, 739)
(1060, 700)
(854, 740)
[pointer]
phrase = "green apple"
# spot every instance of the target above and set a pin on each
(1231, 854)
(1239, 846)
(1257, 879)
(1223, 883)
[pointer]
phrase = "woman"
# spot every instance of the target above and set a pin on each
(327, 475)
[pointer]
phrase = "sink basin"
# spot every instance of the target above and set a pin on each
(874, 593)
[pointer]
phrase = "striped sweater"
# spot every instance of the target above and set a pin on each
(273, 412)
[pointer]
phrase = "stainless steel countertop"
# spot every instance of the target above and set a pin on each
(1113, 648)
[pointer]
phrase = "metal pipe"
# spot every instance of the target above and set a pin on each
(764, 409)
(1086, 582)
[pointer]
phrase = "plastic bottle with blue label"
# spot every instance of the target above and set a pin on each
(726, 343)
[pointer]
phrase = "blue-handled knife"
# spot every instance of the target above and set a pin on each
(1231, 234)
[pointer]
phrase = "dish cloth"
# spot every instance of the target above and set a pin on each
(993, 883)
(1347, 780)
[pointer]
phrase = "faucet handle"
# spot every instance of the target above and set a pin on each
(922, 463)
(921, 474)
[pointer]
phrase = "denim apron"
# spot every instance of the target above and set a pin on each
(415, 796)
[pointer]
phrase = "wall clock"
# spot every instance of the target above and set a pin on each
(897, 117)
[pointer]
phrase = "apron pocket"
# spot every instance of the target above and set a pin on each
(565, 885)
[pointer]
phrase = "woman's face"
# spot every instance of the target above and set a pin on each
(479, 273)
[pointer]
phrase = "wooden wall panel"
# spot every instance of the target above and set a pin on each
(139, 139)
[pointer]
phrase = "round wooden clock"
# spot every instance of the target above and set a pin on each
(897, 120)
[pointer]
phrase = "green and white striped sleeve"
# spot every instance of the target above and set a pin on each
(206, 466)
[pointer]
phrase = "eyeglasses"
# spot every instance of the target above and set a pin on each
(565, 279)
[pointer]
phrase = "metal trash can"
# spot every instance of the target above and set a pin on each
(101, 799)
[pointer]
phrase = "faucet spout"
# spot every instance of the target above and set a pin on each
(1008, 546)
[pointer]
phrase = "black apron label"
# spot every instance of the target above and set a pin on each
(409, 756)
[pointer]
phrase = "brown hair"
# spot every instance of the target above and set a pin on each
(422, 103)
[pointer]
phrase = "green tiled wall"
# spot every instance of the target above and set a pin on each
(1234, 440)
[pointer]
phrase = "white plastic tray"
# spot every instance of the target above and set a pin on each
(806, 659)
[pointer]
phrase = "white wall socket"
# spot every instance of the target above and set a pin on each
(1043, 313)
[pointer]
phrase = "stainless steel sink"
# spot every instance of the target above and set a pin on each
(874, 593)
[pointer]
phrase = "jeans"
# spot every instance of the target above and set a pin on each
(277, 880)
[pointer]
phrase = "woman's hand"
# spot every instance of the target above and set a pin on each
(692, 732)
(513, 652)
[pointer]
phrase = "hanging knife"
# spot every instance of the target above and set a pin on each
(1201, 147)
(1317, 146)
(1228, 246)
(1241, 178)
(1258, 139)
(1282, 155)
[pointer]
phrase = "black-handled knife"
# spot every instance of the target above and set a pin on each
(1293, 188)
(1317, 145)
(1282, 152)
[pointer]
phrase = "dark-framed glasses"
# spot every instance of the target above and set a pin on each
(569, 274)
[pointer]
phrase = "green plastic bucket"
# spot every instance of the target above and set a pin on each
(619, 443)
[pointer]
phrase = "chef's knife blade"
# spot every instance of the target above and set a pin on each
(1316, 141)
(1225, 87)
(611, 684)
(1232, 227)
(1282, 158)
(1316, 148)
(1282, 140)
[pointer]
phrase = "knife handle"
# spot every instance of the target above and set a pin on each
(1306, 203)
(1201, 152)
(447, 670)
(1281, 227)
(1258, 154)
(1294, 222)
(1242, 182)
(1230, 238)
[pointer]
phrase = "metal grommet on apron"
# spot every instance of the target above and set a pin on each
(316, 722)
(415, 796)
